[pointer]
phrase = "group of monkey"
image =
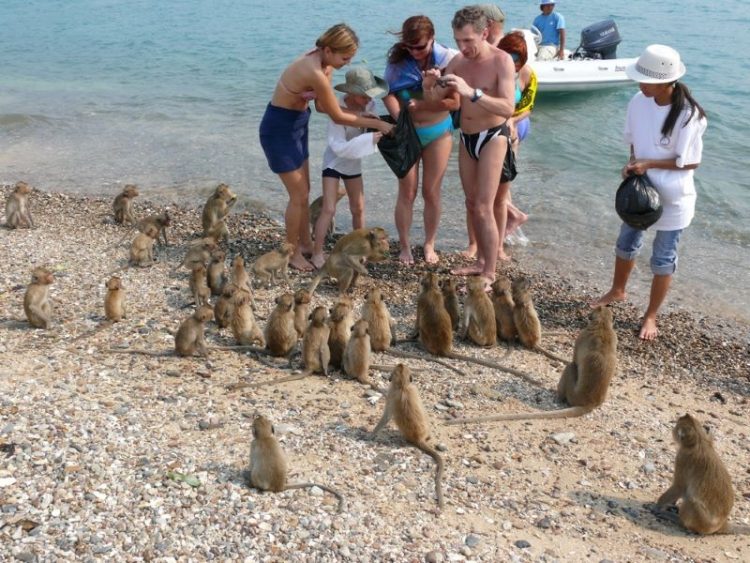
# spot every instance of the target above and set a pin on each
(333, 339)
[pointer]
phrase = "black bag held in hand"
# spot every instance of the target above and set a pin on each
(637, 202)
(401, 149)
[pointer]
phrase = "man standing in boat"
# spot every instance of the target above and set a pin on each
(552, 26)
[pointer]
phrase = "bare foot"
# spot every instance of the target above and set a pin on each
(476, 268)
(306, 250)
(470, 252)
(430, 256)
(514, 222)
(405, 257)
(318, 260)
(610, 297)
(501, 255)
(648, 329)
(298, 262)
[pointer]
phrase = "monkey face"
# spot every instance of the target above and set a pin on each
(218, 255)
(687, 432)
(42, 276)
(22, 188)
(287, 249)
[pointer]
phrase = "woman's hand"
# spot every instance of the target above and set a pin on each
(384, 127)
(638, 166)
(430, 78)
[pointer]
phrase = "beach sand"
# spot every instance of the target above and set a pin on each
(88, 439)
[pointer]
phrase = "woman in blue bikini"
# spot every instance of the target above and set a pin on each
(283, 129)
(415, 52)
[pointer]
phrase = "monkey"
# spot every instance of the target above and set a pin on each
(215, 275)
(405, 406)
(36, 303)
(267, 266)
(317, 206)
(114, 300)
(17, 212)
(217, 207)
(584, 382)
(479, 315)
(379, 321)
(301, 305)
(450, 298)
(159, 220)
(122, 206)
(701, 480)
(371, 244)
(357, 353)
(268, 466)
(244, 327)
(142, 248)
(315, 351)
(219, 231)
(502, 301)
(223, 305)
(341, 266)
(527, 321)
(280, 334)
(198, 252)
(239, 275)
(189, 339)
(341, 321)
(198, 286)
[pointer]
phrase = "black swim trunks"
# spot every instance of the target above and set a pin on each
(474, 142)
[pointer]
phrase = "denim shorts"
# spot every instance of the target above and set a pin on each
(664, 253)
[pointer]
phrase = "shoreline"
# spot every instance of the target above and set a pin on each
(95, 434)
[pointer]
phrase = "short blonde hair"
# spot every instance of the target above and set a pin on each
(340, 38)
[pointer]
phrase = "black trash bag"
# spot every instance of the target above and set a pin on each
(637, 202)
(510, 171)
(401, 149)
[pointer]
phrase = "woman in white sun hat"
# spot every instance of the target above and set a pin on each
(664, 128)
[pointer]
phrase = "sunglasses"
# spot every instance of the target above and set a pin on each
(417, 47)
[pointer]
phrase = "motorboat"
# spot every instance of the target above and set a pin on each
(592, 66)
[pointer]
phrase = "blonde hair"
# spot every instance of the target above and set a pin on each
(340, 38)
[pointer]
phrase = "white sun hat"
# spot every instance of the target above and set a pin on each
(658, 64)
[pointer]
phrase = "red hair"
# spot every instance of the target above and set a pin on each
(515, 43)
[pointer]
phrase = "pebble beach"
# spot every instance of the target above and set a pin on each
(119, 457)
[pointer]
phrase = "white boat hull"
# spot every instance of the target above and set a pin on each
(580, 75)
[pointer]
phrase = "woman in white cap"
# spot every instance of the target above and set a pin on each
(664, 128)
(342, 159)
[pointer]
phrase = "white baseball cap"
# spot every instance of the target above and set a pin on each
(658, 64)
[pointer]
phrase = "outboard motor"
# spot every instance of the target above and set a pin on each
(598, 41)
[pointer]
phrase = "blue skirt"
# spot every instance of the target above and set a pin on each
(283, 136)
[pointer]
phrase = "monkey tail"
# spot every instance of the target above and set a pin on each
(440, 467)
(493, 365)
(137, 351)
(413, 356)
(570, 412)
(550, 355)
(331, 490)
(244, 385)
(316, 281)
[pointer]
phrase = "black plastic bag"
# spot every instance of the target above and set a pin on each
(401, 149)
(510, 171)
(637, 202)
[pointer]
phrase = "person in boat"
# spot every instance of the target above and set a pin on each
(415, 52)
(483, 76)
(342, 159)
(284, 127)
(669, 154)
(551, 24)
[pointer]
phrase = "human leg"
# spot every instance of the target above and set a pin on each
(500, 211)
(305, 239)
(355, 191)
(435, 161)
(663, 265)
(467, 170)
(471, 248)
(327, 211)
(298, 188)
(407, 193)
(489, 169)
(627, 247)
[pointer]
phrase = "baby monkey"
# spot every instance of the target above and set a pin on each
(114, 300)
(142, 248)
(122, 207)
(274, 263)
(404, 405)
(217, 207)
(36, 303)
(268, 465)
(17, 213)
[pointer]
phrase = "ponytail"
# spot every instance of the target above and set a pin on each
(680, 98)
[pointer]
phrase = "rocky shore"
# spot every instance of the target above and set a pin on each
(116, 457)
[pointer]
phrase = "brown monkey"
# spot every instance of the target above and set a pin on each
(217, 207)
(315, 351)
(341, 321)
(357, 353)
(123, 205)
(216, 275)
(281, 336)
(198, 286)
(223, 305)
(379, 321)
(479, 315)
(341, 266)
(198, 252)
(158, 220)
(700, 479)
(502, 301)
(17, 213)
(189, 339)
(527, 321)
(36, 303)
(244, 327)
(371, 244)
(239, 275)
(114, 300)
(405, 406)
(271, 263)
(268, 466)
(584, 381)
(450, 298)
(219, 231)
(301, 305)
(142, 248)
(317, 206)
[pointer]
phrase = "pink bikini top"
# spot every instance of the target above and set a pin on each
(306, 95)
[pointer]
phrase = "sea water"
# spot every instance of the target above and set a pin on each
(169, 94)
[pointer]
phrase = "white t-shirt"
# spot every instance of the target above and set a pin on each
(347, 146)
(676, 187)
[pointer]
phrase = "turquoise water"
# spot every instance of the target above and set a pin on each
(169, 94)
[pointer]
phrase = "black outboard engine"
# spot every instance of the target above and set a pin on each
(598, 41)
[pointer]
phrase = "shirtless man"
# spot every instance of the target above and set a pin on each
(483, 76)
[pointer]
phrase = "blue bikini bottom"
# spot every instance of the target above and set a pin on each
(429, 133)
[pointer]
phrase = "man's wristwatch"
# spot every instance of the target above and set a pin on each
(477, 94)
